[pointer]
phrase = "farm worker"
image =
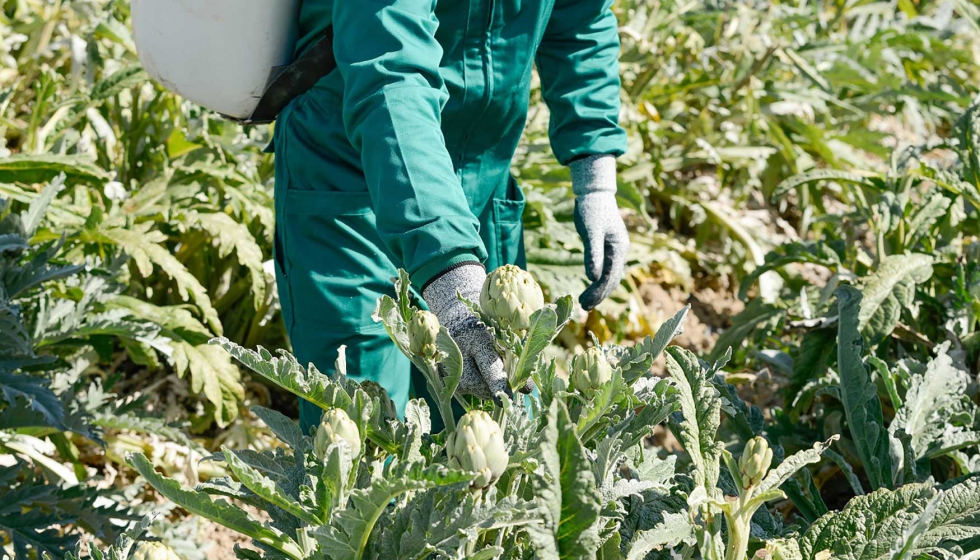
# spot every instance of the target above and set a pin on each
(400, 158)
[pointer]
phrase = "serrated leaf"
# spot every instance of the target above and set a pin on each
(635, 361)
(346, 538)
(675, 528)
(40, 168)
(218, 511)
(869, 526)
(438, 523)
(789, 466)
(266, 488)
(39, 206)
(211, 372)
(35, 395)
(700, 410)
(287, 373)
(124, 544)
(234, 238)
(933, 398)
(179, 321)
(890, 290)
(285, 428)
(545, 324)
(145, 248)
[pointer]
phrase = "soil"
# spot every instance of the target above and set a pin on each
(222, 541)
(711, 313)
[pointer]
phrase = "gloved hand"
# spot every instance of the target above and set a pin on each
(598, 221)
(483, 370)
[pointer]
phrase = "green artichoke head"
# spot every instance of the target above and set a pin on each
(754, 462)
(511, 295)
(423, 334)
(148, 550)
(376, 391)
(336, 426)
(590, 371)
(477, 445)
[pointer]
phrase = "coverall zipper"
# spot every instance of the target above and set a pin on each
(487, 77)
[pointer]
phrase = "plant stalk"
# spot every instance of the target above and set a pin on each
(438, 389)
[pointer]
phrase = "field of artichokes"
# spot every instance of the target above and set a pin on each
(789, 369)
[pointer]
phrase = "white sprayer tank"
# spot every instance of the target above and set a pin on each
(216, 53)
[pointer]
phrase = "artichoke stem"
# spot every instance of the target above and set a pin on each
(444, 402)
(739, 527)
(305, 541)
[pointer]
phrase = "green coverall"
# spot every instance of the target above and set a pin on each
(401, 157)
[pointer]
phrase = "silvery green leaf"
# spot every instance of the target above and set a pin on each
(39, 206)
(287, 373)
(788, 467)
(566, 491)
(676, 528)
(267, 489)
(700, 415)
(347, 535)
(860, 395)
(635, 361)
(931, 402)
(545, 325)
(889, 290)
(285, 428)
(218, 511)
(870, 526)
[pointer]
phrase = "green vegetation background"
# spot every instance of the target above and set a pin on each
(778, 150)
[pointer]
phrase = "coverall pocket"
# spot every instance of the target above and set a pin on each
(335, 267)
(508, 218)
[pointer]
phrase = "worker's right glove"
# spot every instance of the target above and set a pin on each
(483, 370)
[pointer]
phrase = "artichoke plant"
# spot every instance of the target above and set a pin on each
(754, 462)
(590, 371)
(510, 296)
(779, 549)
(423, 334)
(154, 550)
(374, 390)
(336, 426)
(477, 445)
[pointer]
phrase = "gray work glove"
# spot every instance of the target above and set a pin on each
(483, 370)
(598, 221)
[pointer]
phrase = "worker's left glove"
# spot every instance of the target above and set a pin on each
(601, 226)
(483, 370)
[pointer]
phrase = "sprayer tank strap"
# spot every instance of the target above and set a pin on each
(289, 82)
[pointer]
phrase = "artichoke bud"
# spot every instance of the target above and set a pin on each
(148, 550)
(376, 391)
(590, 371)
(511, 295)
(423, 334)
(477, 445)
(754, 462)
(336, 426)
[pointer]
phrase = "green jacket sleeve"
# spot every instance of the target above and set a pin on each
(389, 59)
(578, 61)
